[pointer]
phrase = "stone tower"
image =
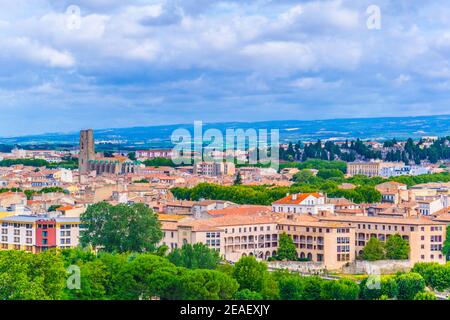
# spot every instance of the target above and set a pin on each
(86, 150)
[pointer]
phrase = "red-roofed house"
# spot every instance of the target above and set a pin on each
(303, 203)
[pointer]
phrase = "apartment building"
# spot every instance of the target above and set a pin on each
(303, 203)
(430, 205)
(425, 236)
(371, 168)
(214, 169)
(332, 244)
(37, 233)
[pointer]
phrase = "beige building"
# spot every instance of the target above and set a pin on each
(371, 168)
(327, 238)
(320, 241)
(425, 236)
(214, 168)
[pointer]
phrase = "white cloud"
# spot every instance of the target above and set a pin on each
(37, 53)
(314, 83)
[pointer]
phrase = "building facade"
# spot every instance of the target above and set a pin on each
(35, 233)
(371, 168)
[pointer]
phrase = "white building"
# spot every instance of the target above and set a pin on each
(303, 203)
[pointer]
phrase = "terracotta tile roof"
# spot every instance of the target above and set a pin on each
(297, 198)
(65, 208)
(170, 217)
(443, 218)
(349, 211)
(243, 210)
(167, 225)
(442, 211)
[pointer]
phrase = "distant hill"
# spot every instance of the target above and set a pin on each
(378, 129)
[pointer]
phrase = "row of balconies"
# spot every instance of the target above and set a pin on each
(251, 246)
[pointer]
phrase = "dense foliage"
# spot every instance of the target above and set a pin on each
(197, 256)
(436, 276)
(133, 276)
(286, 248)
(351, 150)
(69, 163)
(364, 191)
(395, 248)
(120, 228)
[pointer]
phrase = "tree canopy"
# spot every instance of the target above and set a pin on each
(197, 256)
(120, 228)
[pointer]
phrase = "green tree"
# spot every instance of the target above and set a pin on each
(330, 173)
(27, 276)
(270, 289)
(312, 288)
(446, 246)
(435, 275)
(202, 284)
(197, 256)
(238, 179)
(304, 176)
(286, 248)
(409, 284)
(247, 295)
(53, 207)
(425, 295)
(371, 290)
(397, 248)
(373, 250)
(342, 289)
(120, 228)
(250, 274)
(290, 286)
(93, 277)
(144, 276)
(159, 162)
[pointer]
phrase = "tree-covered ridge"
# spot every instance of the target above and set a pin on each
(351, 150)
(326, 181)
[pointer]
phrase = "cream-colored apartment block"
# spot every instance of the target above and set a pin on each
(425, 236)
(370, 169)
(332, 244)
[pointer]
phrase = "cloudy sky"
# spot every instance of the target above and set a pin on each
(127, 63)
